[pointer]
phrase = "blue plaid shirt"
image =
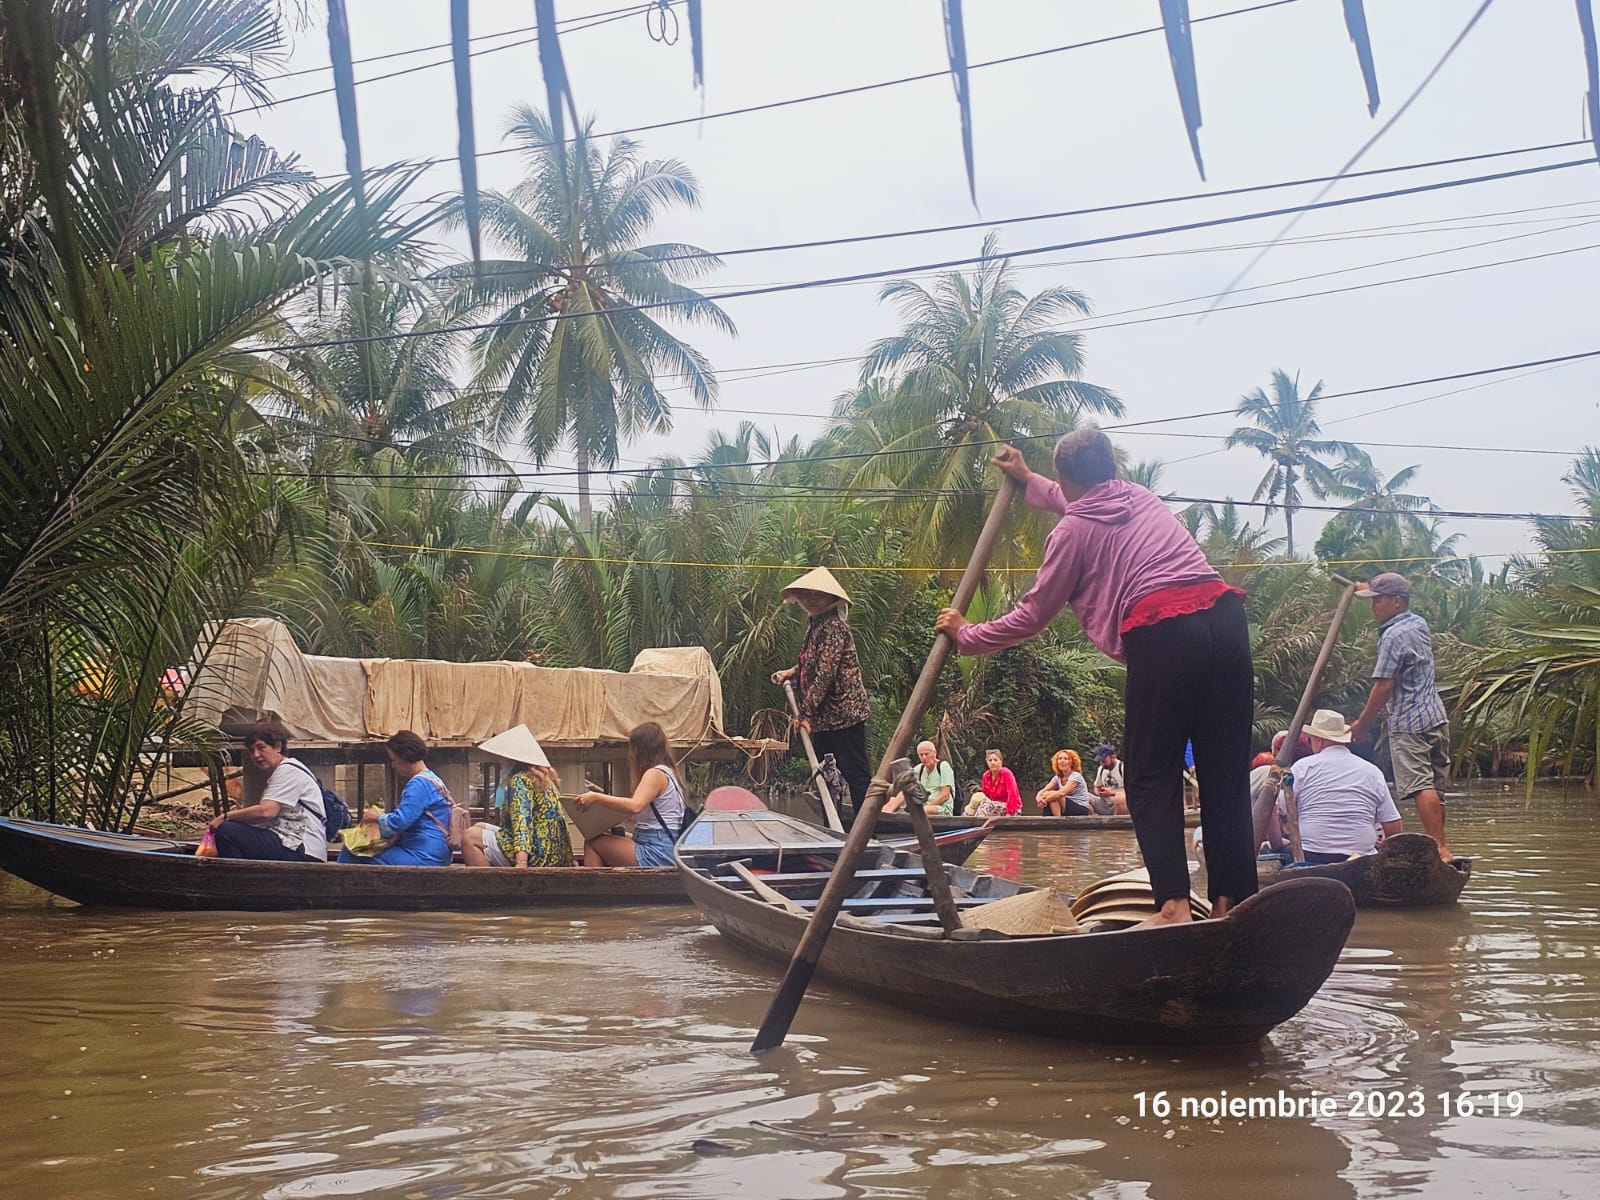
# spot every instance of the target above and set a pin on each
(1405, 655)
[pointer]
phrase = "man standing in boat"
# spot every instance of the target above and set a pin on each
(1146, 596)
(1402, 682)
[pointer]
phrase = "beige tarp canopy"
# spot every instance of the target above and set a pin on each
(257, 672)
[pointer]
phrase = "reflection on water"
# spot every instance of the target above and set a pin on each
(465, 1055)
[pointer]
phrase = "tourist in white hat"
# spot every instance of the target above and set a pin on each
(828, 689)
(535, 830)
(1342, 800)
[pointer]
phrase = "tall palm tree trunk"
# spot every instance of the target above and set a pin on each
(585, 512)
(1288, 507)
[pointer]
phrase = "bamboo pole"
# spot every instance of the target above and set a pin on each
(829, 809)
(1308, 697)
(780, 1014)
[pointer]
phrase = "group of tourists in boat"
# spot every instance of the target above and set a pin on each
(290, 823)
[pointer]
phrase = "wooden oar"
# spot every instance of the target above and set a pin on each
(806, 955)
(1308, 697)
(770, 894)
(828, 808)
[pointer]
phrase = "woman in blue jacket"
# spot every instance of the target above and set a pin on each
(420, 825)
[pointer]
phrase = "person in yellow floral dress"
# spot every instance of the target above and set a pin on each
(535, 829)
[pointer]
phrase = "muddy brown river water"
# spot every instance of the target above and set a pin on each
(605, 1055)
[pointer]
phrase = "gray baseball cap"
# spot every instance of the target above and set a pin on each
(1387, 584)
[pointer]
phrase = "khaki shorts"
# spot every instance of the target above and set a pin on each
(1421, 760)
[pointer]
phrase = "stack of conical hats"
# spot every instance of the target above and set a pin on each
(1125, 899)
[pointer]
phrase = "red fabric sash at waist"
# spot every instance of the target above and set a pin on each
(1177, 601)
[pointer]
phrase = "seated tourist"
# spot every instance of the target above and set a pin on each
(286, 824)
(657, 806)
(997, 794)
(418, 830)
(1340, 800)
(937, 778)
(1108, 784)
(535, 829)
(1067, 793)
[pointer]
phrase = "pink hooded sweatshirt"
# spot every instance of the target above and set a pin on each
(1116, 544)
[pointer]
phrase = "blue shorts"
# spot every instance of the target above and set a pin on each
(652, 847)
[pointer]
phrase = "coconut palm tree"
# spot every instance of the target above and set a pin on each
(1377, 503)
(976, 363)
(574, 349)
(1285, 432)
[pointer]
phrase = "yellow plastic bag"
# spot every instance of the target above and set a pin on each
(363, 839)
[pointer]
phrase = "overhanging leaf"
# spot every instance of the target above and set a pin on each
(344, 87)
(1591, 56)
(1180, 49)
(697, 43)
(557, 86)
(461, 53)
(955, 41)
(1355, 21)
(30, 53)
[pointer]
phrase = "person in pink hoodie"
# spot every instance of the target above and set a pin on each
(1145, 594)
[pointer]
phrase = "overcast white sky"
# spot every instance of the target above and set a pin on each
(1282, 98)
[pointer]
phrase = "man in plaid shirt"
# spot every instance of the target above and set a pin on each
(1402, 682)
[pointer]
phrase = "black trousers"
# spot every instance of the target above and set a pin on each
(849, 749)
(235, 839)
(1190, 678)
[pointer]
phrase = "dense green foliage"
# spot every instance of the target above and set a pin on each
(209, 408)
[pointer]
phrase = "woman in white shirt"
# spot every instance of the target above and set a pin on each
(287, 823)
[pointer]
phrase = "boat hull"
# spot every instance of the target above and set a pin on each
(124, 871)
(1208, 983)
(1405, 872)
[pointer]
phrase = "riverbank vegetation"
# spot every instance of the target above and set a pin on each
(230, 388)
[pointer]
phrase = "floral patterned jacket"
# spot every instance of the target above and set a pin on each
(831, 694)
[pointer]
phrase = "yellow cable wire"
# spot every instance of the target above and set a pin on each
(651, 562)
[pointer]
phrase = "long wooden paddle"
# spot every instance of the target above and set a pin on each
(829, 810)
(780, 1014)
(1308, 697)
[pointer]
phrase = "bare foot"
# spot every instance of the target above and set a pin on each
(1220, 907)
(1173, 912)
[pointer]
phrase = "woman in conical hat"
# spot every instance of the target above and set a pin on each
(828, 688)
(535, 831)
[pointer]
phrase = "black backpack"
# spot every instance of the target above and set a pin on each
(335, 812)
(690, 812)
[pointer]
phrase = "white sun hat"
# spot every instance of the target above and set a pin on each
(1329, 726)
(519, 745)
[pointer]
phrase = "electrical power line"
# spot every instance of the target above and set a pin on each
(963, 261)
(866, 87)
(482, 37)
(620, 14)
(1376, 389)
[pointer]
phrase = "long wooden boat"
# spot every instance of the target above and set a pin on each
(128, 871)
(1405, 872)
(1210, 982)
(898, 823)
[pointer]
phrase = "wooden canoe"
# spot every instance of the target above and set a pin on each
(128, 871)
(1211, 982)
(897, 823)
(1405, 872)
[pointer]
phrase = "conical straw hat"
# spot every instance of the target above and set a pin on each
(1041, 910)
(519, 745)
(819, 580)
